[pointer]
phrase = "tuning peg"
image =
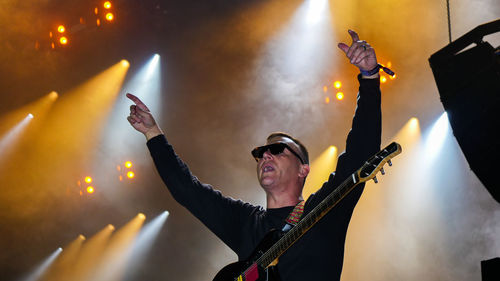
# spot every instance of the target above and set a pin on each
(375, 179)
(389, 162)
(382, 171)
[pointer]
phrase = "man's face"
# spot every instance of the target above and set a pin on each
(281, 169)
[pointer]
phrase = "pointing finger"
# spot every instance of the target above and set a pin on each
(354, 36)
(343, 47)
(138, 102)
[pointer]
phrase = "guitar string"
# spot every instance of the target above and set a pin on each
(308, 220)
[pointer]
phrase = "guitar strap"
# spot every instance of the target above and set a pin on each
(294, 217)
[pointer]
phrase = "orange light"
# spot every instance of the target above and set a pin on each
(52, 45)
(98, 22)
(61, 29)
(389, 64)
(128, 164)
(121, 178)
(383, 79)
(107, 5)
(325, 88)
(340, 95)
(50, 34)
(327, 100)
(96, 10)
(393, 76)
(130, 175)
(125, 63)
(109, 16)
(63, 40)
(90, 189)
(118, 168)
(337, 84)
(88, 179)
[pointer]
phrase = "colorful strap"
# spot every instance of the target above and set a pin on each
(294, 217)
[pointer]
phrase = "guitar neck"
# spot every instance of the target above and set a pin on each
(308, 221)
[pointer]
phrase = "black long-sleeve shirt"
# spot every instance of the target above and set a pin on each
(318, 255)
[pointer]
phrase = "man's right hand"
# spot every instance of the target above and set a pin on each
(141, 118)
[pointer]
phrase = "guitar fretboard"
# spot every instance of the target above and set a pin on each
(307, 222)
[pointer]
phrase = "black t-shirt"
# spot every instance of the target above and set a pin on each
(318, 255)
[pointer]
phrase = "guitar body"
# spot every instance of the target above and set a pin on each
(236, 271)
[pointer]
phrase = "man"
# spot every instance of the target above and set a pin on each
(282, 166)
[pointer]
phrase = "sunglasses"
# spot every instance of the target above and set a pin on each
(275, 149)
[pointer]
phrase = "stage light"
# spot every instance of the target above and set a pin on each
(337, 84)
(30, 116)
(125, 63)
(88, 179)
(383, 79)
(107, 5)
(321, 167)
(111, 227)
(42, 268)
(392, 77)
(52, 45)
(325, 88)
(109, 16)
(50, 34)
(98, 22)
(340, 95)
(128, 164)
(63, 40)
(53, 95)
(96, 10)
(90, 189)
(130, 175)
(437, 136)
(81, 237)
(61, 29)
(327, 100)
(141, 216)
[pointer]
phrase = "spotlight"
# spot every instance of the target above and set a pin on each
(30, 116)
(383, 79)
(109, 16)
(88, 179)
(63, 40)
(327, 100)
(125, 63)
(107, 5)
(53, 95)
(337, 84)
(141, 216)
(61, 29)
(90, 189)
(130, 175)
(128, 164)
(340, 95)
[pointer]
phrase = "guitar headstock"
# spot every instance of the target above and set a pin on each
(376, 163)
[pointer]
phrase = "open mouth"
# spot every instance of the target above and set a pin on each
(267, 168)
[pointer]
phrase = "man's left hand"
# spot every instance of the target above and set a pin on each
(360, 53)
